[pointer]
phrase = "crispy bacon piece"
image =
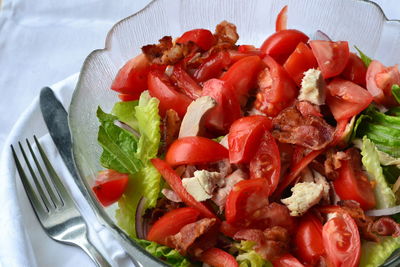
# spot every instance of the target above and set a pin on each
(332, 163)
(386, 226)
(185, 238)
(171, 126)
(310, 131)
(276, 214)
(270, 244)
(225, 32)
(307, 108)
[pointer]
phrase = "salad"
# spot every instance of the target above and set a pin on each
(234, 155)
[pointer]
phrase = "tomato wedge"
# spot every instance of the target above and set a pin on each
(281, 19)
(276, 89)
(218, 258)
(242, 75)
(244, 137)
(266, 163)
(301, 60)
(282, 43)
(287, 260)
(355, 70)
(354, 185)
(132, 77)
(109, 186)
(332, 57)
(175, 182)
(227, 110)
(171, 223)
(342, 241)
(213, 66)
(308, 239)
(244, 200)
(161, 87)
(201, 37)
(126, 97)
(346, 99)
(195, 150)
(186, 83)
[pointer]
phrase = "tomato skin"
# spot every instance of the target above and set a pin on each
(266, 163)
(282, 43)
(109, 186)
(171, 223)
(244, 137)
(346, 99)
(160, 87)
(195, 150)
(226, 111)
(186, 83)
(238, 201)
(301, 60)
(229, 229)
(202, 37)
(354, 185)
(287, 260)
(277, 90)
(242, 75)
(175, 182)
(342, 241)
(212, 67)
(132, 77)
(332, 57)
(308, 239)
(281, 19)
(218, 258)
(126, 97)
(355, 70)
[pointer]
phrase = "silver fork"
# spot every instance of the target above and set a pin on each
(53, 206)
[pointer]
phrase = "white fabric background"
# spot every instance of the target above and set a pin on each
(45, 41)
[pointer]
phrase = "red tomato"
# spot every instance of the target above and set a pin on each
(132, 77)
(301, 60)
(346, 99)
(110, 185)
(229, 229)
(218, 258)
(287, 260)
(126, 97)
(266, 163)
(201, 37)
(354, 185)
(171, 223)
(227, 109)
(355, 70)
(308, 239)
(213, 66)
(380, 80)
(242, 75)
(245, 199)
(175, 182)
(282, 43)
(277, 90)
(244, 137)
(160, 87)
(281, 19)
(249, 49)
(342, 241)
(195, 150)
(331, 56)
(339, 132)
(186, 83)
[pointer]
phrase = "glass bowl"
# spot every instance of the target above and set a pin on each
(362, 23)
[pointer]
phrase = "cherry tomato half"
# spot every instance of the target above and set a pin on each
(355, 70)
(109, 186)
(218, 258)
(281, 19)
(202, 37)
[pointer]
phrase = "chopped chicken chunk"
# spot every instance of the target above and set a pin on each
(305, 195)
(202, 185)
(313, 87)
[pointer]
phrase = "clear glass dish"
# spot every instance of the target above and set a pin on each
(362, 23)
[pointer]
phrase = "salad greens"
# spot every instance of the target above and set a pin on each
(396, 92)
(374, 254)
(248, 257)
(123, 111)
(169, 255)
(366, 59)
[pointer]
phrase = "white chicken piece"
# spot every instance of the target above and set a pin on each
(202, 185)
(313, 87)
(305, 195)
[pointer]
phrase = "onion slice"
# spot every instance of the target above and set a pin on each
(140, 223)
(383, 212)
(126, 127)
(320, 35)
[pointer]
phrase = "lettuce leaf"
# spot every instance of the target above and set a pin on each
(365, 59)
(247, 257)
(384, 195)
(374, 254)
(396, 92)
(168, 255)
(119, 145)
(125, 111)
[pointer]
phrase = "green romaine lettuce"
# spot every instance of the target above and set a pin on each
(125, 111)
(396, 92)
(365, 59)
(384, 195)
(247, 257)
(375, 254)
(168, 255)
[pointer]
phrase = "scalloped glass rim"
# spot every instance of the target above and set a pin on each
(373, 33)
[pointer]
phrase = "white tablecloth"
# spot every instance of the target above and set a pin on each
(45, 41)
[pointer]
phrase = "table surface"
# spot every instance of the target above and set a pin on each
(44, 41)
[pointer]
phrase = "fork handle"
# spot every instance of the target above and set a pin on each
(93, 253)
